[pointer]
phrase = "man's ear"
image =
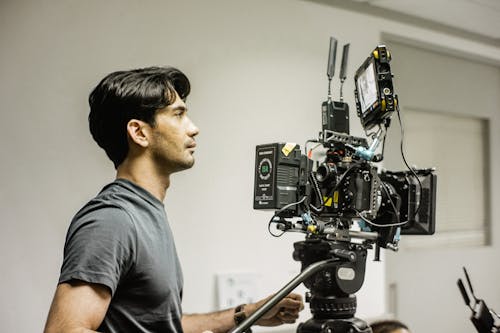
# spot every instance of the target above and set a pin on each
(139, 132)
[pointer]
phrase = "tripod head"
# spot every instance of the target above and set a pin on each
(325, 264)
(332, 290)
(331, 296)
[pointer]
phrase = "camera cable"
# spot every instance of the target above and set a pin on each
(406, 163)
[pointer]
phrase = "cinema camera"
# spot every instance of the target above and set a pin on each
(340, 201)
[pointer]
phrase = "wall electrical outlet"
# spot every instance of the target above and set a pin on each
(234, 289)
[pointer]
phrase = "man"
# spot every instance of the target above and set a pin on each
(120, 271)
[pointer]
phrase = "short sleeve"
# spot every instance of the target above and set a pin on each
(100, 247)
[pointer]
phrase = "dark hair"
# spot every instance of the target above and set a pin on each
(134, 94)
(387, 326)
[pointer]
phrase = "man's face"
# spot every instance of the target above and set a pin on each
(173, 143)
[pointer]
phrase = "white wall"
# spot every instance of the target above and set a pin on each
(258, 75)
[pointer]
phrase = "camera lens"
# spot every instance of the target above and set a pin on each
(326, 172)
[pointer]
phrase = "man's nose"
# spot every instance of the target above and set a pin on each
(193, 129)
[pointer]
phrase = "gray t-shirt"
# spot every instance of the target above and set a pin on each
(121, 239)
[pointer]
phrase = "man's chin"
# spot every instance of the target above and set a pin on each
(188, 164)
(191, 164)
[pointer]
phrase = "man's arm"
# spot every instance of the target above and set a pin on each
(77, 307)
(285, 312)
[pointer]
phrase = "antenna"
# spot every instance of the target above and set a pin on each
(470, 285)
(335, 114)
(464, 293)
(343, 69)
(330, 69)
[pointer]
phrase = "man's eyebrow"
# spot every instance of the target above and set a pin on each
(180, 108)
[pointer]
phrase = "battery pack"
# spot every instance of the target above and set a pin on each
(335, 116)
(277, 168)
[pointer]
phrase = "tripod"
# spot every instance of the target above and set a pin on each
(333, 271)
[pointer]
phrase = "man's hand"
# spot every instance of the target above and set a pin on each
(285, 312)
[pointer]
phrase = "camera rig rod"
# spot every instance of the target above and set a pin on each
(368, 154)
(370, 235)
(283, 292)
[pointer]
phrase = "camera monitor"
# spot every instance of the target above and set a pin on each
(375, 100)
(367, 88)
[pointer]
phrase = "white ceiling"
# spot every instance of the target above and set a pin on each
(481, 17)
(473, 19)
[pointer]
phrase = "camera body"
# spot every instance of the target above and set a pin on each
(337, 186)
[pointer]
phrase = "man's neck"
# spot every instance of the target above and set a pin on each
(144, 175)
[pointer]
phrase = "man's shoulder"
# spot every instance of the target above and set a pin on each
(108, 206)
(113, 197)
(119, 204)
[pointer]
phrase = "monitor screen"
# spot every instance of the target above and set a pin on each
(367, 88)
